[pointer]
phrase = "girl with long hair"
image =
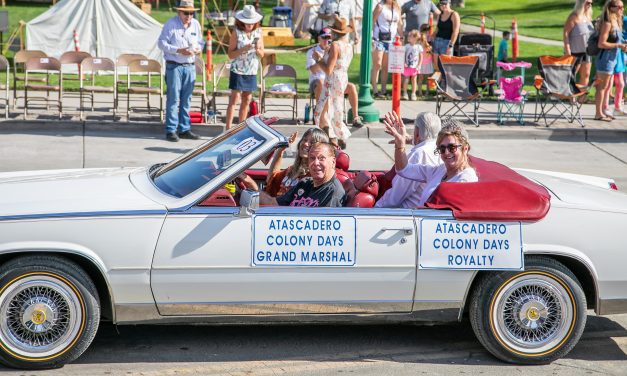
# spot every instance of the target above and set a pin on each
(387, 24)
(577, 30)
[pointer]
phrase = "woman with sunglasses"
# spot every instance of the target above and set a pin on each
(577, 30)
(610, 42)
(452, 146)
(447, 31)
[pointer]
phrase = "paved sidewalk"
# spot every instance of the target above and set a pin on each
(560, 129)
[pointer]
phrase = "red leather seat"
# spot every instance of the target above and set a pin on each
(342, 164)
(368, 187)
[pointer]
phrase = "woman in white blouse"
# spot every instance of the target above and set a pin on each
(452, 146)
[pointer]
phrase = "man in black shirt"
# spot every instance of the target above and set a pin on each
(321, 189)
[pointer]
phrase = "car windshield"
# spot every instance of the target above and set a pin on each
(194, 169)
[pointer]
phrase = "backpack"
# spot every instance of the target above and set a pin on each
(592, 48)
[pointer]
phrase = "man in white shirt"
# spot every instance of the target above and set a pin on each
(317, 75)
(406, 193)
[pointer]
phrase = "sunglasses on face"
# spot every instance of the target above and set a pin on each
(452, 148)
(188, 13)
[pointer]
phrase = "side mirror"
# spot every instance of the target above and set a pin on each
(249, 202)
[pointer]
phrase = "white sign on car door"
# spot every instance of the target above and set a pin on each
(450, 244)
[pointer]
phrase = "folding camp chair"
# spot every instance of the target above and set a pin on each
(511, 99)
(121, 65)
(200, 87)
(90, 67)
(50, 66)
(143, 86)
(556, 89)
(279, 70)
(219, 71)
(4, 67)
(19, 60)
(455, 84)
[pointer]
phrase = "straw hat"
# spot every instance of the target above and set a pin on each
(248, 15)
(341, 27)
(186, 6)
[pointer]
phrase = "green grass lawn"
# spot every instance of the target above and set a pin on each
(537, 18)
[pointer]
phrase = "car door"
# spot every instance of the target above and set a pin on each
(284, 260)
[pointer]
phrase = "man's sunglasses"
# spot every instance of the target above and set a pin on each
(188, 13)
(452, 148)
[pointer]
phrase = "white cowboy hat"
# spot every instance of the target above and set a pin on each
(248, 15)
(186, 6)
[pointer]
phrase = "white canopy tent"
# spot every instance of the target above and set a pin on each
(105, 28)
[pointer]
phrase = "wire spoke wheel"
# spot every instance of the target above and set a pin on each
(42, 315)
(533, 313)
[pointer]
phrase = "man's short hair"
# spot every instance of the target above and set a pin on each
(330, 148)
(506, 34)
(428, 125)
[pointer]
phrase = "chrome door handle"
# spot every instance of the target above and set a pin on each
(406, 230)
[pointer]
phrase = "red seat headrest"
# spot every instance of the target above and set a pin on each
(367, 182)
(342, 160)
(362, 200)
(342, 175)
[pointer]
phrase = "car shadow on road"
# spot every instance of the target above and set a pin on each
(441, 344)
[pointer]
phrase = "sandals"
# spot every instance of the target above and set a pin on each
(603, 118)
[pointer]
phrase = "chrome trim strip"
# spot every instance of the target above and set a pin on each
(288, 308)
(114, 213)
(290, 210)
(611, 306)
(207, 210)
(147, 314)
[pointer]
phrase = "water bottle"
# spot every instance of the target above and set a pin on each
(307, 109)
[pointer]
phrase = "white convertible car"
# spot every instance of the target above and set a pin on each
(523, 257)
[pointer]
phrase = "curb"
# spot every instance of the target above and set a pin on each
(372, 130)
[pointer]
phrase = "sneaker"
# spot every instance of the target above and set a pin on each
(358, 122)
(380, 95)
(173, 137)
(608, 113)
(413, 96)
(619, 112)
(404, 97)
(189, 135)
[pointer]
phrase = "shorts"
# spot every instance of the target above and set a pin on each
(440, 46)
(607, 60)
(243, 82)
(410, 72)
(582, 58)
(382, 46)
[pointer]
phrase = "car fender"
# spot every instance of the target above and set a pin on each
(62, 247)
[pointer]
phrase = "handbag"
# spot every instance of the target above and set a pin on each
(386, 36)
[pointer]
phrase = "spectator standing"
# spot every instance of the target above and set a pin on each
(502, 54)
(577, 31)
(406, 193)
(245, 50)
(426, 68)
(417, 14)
(331, 11)
(180, 40)
(317, 75)
(447, 31)
(610, 42)
(329, 111)
(413, 60)
(387, 24)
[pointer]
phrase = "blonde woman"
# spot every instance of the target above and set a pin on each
(577, 30)
(610, 42)
(386, 26)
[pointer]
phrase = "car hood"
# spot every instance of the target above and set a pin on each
(575, 190)
(58, 192)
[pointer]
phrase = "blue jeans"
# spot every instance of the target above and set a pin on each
(179, 80)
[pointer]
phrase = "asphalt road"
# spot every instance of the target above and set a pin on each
(313, 350)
